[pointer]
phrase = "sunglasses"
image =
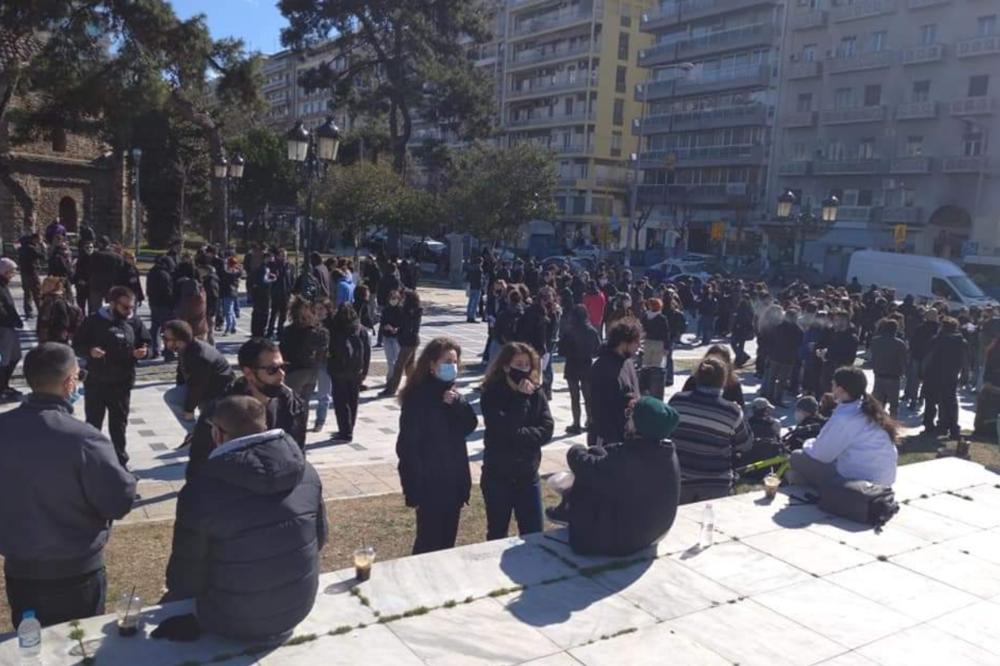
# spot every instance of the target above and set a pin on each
(273, 369)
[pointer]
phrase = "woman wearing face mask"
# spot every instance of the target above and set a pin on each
(434, 423)
(392, 317)
(408, 336)
(857, 443)
(518, 424)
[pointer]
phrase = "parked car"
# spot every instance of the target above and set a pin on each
(782, 276)
(591, 252)
(669, 269)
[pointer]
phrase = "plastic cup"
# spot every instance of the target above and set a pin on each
(128, 609)
(364, 557)
(771, 483)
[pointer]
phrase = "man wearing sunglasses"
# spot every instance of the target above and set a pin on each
(261, 376)
(112, 339)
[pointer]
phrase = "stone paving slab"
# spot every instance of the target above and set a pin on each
(749, 601)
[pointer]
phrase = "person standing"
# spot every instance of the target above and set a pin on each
(409, 339)
(920, 344)
(105, 270)
(785, 342)
(350, 356)
(942, 366)
(391, 320)
(229, 292)
(889, 358)
(839, 349)
(434, 422)
(281, 291)
(58, 318)
(259, 294)
(113, 339)
(81, 274)
(614, 384)
(160, 291)
(579, 342)
(305, 344)
(60, 487)
(474, 276)
(30, 259)
(518, 424)
(10, 320)
(321, 275)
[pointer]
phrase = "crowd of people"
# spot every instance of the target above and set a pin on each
(251, 517)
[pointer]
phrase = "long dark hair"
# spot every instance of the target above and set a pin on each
(855, 384)
(497, 370)
(421, 374)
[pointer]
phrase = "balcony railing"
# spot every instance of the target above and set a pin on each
(860, 114)
(856, 213)
(555, 20)
(671, 13)
(547, 86)
(915, 55)
(688, 49)
(973, 106)
(920, 4)
(846, 167)
(557, 119)
(730, 116)
(803, 70)
(705, 155)
(916, 110)
(531, 56)
(978, 46)
(724, 79)
(914, 164)
(799, 119)
(862, 9)
(903, 215)
(861, 61)
(795, 168)
(808, 20)
(965, 164)
(573, 149)
(708, 193)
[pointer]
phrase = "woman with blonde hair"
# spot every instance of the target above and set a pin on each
(518, 425)
(58, 319)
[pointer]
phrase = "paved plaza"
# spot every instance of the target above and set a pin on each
(367, 465)
(783, 585)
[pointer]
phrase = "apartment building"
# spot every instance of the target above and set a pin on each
(709, 101)
(891, 105)
(287, 101)
(566, 70)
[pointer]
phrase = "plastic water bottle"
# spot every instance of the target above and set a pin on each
(29, 638)
(707, 537)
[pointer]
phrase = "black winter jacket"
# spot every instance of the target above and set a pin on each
(613, 383)
(920, 341)
(578, 344)
(247, 538)
(784, 342)
(889, 356)
(160, 286)
(304, 347)
(206, 372)
(60, 486)
(944, 362)
(409, 328)
(119, 338)
(9, 318)
(533, 329)
(433, 456)
(106, 271)
(517, 427)
(657, 328)
(624, 497)
(841, 347)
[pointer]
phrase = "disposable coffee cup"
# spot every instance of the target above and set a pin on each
(363, 559)
(771, 483)
(128, 610)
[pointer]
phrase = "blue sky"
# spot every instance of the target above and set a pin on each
(256, 22)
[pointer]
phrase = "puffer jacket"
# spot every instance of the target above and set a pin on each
(517, 427)
(247, 538)
(431, 447)
(119, 338)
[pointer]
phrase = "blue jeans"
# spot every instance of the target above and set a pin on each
(474, 296)
(229, 312)
(504, 497)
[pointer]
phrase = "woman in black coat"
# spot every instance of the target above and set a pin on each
(578, 344)
(434, 423)
(350, 356)
(518, 424)
(408, 336)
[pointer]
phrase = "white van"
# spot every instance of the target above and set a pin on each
(915, 275)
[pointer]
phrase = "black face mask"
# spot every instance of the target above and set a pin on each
(270, 390)
(517, 375)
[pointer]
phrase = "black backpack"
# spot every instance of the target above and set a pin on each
(861, 501)
(347, 354)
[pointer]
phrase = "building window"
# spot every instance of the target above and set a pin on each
(973, 144)
(914, 146)
(621, 82)
(986, 26)
(848, 46)
(626, 18)
(880, 40)
(618, 118)
(979, 85)
(800, 151)
(59, 140)
(921, 91)
(809, 53)
(623, 46)
(616, 143)
(928, 34)
(804, 102)
(843, 98)
(866, 149)
(873, 95)
(835, 150)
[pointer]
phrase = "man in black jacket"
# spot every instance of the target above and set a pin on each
(838, 349)
(624, 496)
(889, 357)
(281, 291)
(60, 486)
(160, 293)
(106, 269)
(113, 339)
(614, 383)
(942, 367)
(263, 378)
(248, 532)
(203, 372)
(920, 344)
(785, 341)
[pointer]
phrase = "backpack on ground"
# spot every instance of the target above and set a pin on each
(861, 501)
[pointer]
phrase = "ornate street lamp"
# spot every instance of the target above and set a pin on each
(221, 168)
(830, 206)
(227, 172)
(328, 140)
(297, 140)
(315, 152)
(805, 220)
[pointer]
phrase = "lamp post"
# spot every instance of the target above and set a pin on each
(314, 152)
(804, 219)
(136, 158)
(227, 172)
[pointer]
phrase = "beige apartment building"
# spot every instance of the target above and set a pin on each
(894, 106)
(287, 101)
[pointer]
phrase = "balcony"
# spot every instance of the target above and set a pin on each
(557, 119)
(736, 39)
(725, 194)
(799, 119)
(680, 11)
(556, 21)
(964, 164)
(803, 70)
(860, 114)
(920, 4)
(913, 164)
(808, 20)
(862, 9)
(903, 215)
(916, 55)
(849, 167)
(534, 57)
(756, 76)
(704, 156)
(572, 149)
(857, 213)
(973, 106)
(978, 46)
(861, 61)
(916, 110)
(550, 86)
(795, 168)
(730, 116)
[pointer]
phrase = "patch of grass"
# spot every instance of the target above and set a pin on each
(504, 591)
(451, 603)
(343, 629)
(621, 632)
(299, 640)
